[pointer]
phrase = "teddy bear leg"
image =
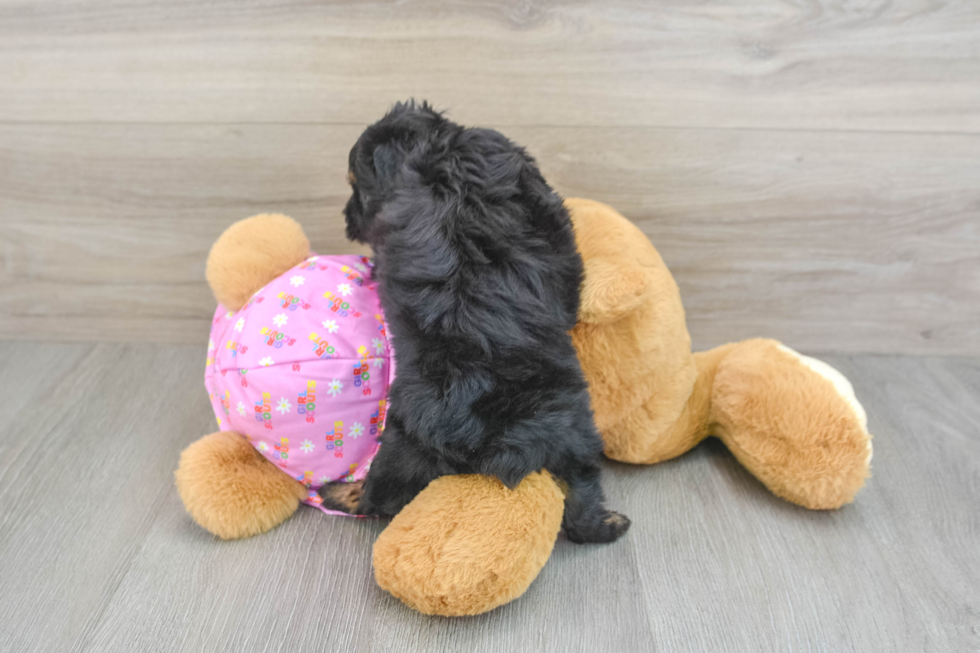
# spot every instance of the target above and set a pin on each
(468, 544)
(793, 422)
(229, 489)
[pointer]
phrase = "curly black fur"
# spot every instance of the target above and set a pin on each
(479, 279)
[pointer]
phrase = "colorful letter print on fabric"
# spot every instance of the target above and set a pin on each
(303, 371)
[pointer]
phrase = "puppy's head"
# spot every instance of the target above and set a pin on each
(377, 158)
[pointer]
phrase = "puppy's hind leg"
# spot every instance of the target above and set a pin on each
(344, 497)
(398, 473)
(586, 517)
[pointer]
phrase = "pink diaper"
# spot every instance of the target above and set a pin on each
(303, 371)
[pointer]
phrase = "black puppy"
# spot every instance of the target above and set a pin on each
(479, 279)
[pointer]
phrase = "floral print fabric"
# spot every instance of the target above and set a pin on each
(303, 369)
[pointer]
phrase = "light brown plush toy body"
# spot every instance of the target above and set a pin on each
(791, 420)
(467, 544)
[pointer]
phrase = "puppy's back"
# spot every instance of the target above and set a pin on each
(480, 250)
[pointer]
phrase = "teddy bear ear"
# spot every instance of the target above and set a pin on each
(612, 289)
(251, 253)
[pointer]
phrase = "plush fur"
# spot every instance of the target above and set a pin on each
(479, 278)
(792, 428)
(467, 544)
(798, 433)
(231, 490)
(251, 253)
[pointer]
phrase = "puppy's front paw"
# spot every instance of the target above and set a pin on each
(609, 528)
(345, 497)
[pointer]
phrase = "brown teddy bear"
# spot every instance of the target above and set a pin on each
(467, 544)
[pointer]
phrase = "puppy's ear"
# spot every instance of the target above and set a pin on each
(612, 289)
(404, 126)
(387, 158)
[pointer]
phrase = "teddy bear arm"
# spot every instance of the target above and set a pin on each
(612, 289)
(229, 489)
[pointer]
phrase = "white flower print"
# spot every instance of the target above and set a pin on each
(361, 267)
(330, 326)
(378, 362)
(344, 289)
(323, 480)
(284, 406)
(379, 345)
(296, 280)
(262, 446)
(240, 324)
(240, 408)
(334, 387)
(280, 320)
(210, 344)
(312, 258)
(229, 315)
(356, 430)
(307, 446)
(266, 362)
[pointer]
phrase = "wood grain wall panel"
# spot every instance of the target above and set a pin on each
(846, 241)
(820, 64)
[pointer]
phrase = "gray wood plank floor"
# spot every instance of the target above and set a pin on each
(96, 553)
